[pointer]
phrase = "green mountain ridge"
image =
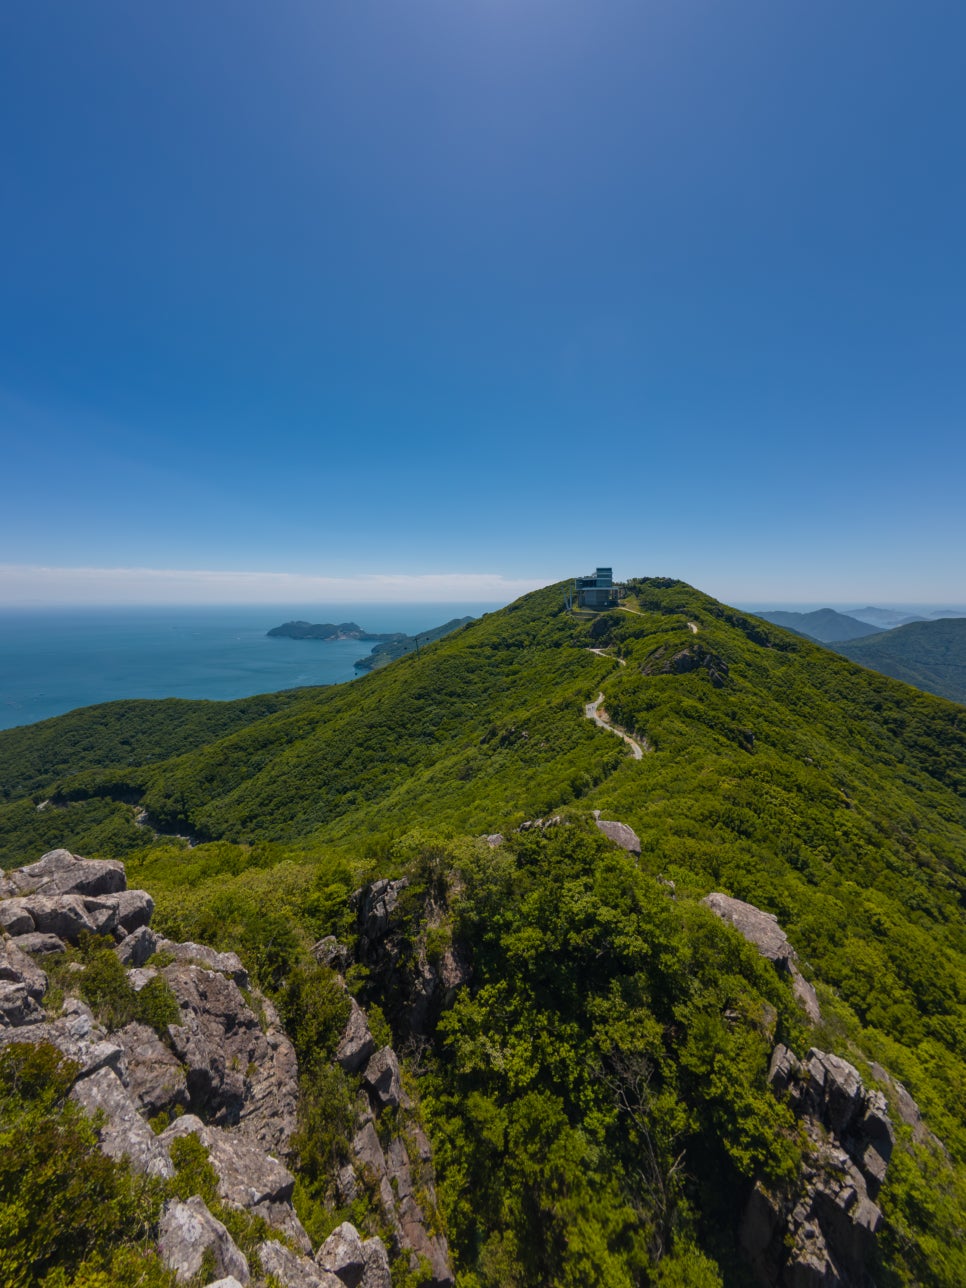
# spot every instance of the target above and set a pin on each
(929, 655)
(777, 772)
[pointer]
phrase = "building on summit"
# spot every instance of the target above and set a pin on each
(597, 591)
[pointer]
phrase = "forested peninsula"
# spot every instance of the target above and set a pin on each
(513, 1000)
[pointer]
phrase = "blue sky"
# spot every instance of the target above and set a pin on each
(484, 288)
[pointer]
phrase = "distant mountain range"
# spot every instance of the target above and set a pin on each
(825, 625)
(886, 618)
(930, 655)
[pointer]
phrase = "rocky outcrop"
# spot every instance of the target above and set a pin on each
(620, 834)
(190, 1235)
(822, 1230)
(224, 1073)
(763, 931)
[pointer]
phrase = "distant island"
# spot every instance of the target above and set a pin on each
(388, 646)
(328, 631)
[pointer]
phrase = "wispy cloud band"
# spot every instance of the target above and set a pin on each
(25, 584)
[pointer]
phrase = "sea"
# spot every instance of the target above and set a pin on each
(53, 660)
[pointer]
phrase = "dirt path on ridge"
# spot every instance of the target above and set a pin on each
(592, 713)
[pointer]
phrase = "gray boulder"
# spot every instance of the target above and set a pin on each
(620, 834)
(342, 1255)
(201, 955)
(153, 1075)
(187, 1232)
(135, 908)
(18, 968)
(123, 1132)
(375, 904)
(763, 931)
(330, 952)
(137, 946)
(39, 943)
(74, 1033)
(59, 872)
(247, 1176)
(15, 918)
(376, 1273)
(293, 1271)
(235, 1072)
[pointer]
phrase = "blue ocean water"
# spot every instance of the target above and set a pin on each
(53, 660)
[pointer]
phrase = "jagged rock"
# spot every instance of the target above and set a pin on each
(376, 1273)
(17, 1007)
(140, 976)
(228, 1282)
(15, 918)
(123, 1132)
(356, 1044)
(620, 834)
(153, 1075)
(135, 908)
(330, 952)
(59, 872)
(18, 968)
(375, 903)
(342, 1255)
(454, 971)
(235, 1072)
(281, 1216)
(188, 1231)
(541, 824)
(494, 839)
(411, 1217)
(905, 1106)
(382, 1078)
(74, 1033)
(293, 1271)
(247, 1176)
(763, 931)
(201, 955)
(137, 946)
(65, 916)
(759, 928)
(40, 943)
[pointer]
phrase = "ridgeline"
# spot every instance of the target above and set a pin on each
(619, 1089)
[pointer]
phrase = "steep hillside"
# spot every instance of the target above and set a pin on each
(604, 1010)
(930, 655)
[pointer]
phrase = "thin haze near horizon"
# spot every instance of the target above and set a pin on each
(478, 295)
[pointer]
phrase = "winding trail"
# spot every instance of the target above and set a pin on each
(601, 652)
(591, 712)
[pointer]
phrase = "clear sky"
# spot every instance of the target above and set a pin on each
(484, 288)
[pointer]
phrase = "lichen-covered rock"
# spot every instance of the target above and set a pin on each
(375, 904)
(330, 952)
(153, 1075)
(235, 1072)
(123, 1132)
(59, 872)
(376, 1273)
(342, 1255)
(293, 1271)
(137, 946)
(201, 955)
(76, 1034)
(39, 943)
(188, 1232)
(247, 1175)
(15, 918)
(18, 968)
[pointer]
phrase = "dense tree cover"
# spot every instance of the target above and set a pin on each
(595, 1025)
(69, 1216)
(137, 732)
(930, 655)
